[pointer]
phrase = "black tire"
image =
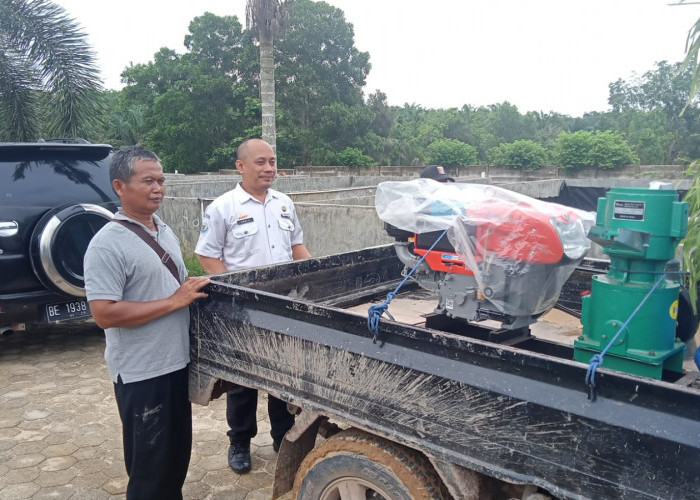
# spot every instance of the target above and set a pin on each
(58, 244)
(355, 464)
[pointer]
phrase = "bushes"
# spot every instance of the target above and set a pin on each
(354, 157)
(451, 153)
(523, 154)
(598, 149)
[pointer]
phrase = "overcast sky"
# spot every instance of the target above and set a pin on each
(541, 55)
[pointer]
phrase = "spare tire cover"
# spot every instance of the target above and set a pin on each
(59, 242)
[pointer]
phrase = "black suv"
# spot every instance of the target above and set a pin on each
(54, 196)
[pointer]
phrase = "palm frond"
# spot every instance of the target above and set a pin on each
(692, 47)
(266, 17)
(18, 109)
(53, 46)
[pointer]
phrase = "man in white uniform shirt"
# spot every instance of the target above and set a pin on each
(252, 225)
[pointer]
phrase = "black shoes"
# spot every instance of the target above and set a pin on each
(276, 444)
(239, 457)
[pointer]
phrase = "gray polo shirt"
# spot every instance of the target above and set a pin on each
(121, 266)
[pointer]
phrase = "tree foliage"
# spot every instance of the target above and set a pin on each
(318, 66)
(194, 108)
(49, 82)
(664, 90)
(354, 157)
(198, 102)
(602, 149)
(451, 153)
(524, 154)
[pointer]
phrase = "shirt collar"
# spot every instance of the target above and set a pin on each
(240, 195)
(157, 220)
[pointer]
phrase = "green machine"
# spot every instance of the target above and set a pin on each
(639, 229)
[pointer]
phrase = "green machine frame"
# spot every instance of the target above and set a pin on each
(635, 303)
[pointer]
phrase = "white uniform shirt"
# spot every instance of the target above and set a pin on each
(245, 233)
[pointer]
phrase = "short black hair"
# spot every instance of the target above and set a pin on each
(122, 164)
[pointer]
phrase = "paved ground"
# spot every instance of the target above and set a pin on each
(60, 435)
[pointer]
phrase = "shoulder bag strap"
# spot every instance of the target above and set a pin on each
(148, 239)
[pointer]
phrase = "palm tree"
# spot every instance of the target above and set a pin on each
(264, 18)
(49, 82)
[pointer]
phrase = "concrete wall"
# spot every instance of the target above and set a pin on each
(184, 216)
(339, 219)
(473, 171)
(211, 186)
(329, 228)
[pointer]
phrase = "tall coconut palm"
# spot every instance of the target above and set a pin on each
(49, 82)
(264, 18)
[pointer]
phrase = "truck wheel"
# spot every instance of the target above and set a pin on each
(355, 465)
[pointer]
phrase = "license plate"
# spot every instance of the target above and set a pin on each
(64, 311)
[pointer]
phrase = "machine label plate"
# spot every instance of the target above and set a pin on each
(629, 210)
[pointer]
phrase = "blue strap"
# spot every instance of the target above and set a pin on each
(597, 359)
(375, 312)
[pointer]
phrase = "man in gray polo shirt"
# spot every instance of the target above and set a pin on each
(143, 308)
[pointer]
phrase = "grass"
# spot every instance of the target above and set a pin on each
(193, 266)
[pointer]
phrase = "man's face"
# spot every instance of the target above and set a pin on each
(258, 166)
(144, 192)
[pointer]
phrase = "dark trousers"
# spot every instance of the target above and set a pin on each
(241, 406)
(156, 417)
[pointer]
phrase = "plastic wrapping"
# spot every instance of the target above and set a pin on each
(520, 250)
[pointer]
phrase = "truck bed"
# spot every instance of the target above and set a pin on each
(514, 408)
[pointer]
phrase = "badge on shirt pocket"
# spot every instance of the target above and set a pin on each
(286, 224)
(244, 227)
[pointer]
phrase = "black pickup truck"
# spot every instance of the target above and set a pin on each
(434, 412)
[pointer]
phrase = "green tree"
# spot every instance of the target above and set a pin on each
(199, 104)
(665, 89)
(648, 135)
(604, 149)
(610, 150)
(354, 157)
(409, 146)
(264, 18)
(451, 153)
(383, 115)
(523, 154)
(317, 65)
(498, 123)
(127, 124)
(548, 126)
(49, 83)
(378, 141)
